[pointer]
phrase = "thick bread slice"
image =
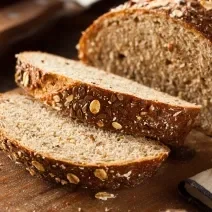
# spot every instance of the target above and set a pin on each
(164, 44)
(69, 152)
(103, 99)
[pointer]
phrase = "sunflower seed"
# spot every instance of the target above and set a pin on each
(95, 106)
(73, 178)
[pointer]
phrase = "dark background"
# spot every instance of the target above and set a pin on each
(60, 39)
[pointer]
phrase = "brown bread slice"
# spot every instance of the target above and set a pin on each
(68, 152)
(164, 44)
(103, 99)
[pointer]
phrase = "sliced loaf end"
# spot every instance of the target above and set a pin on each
(73, 153)
(75, 71)
(105, 100)
(159, 46)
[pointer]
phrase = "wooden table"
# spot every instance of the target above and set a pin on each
(21, 192)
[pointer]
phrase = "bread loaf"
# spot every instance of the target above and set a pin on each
(105, 100)
(164, 44)
(70, 153)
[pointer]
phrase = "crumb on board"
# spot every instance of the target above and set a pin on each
(104, 196)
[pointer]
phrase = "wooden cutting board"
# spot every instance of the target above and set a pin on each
(22, 192)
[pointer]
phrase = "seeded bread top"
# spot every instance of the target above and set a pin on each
(77, 71)
(196, 13)
(42, 130)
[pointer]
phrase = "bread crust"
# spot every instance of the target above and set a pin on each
(191, 14)
(117, 112)
(76, 175)
(194, 14)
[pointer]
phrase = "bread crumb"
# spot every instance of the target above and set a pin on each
(104, 196)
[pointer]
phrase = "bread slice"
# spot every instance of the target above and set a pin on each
(103, 99)
(68, 152)
(166, 45)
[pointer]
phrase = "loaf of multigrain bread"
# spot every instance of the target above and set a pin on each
(104, 99)
(164, 44)
(71, 153)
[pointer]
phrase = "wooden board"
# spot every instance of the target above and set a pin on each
(22, 192)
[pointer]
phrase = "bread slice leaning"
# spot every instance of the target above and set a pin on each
(163, 44)
(103, 99)
(68, 152)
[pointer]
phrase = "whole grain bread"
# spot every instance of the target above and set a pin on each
(72, 153)
(103, 99)
(164, 44)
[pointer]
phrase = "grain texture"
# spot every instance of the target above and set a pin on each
(105, 100)
(70, 153)
(163, 44)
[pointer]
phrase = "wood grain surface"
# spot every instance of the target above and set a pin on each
(22, 192)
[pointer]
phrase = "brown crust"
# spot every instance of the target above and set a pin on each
(114, 111)
(194, 13)
(188, 13)
(92, 177)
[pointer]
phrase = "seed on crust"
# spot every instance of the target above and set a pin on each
(95, 106)
(64, 94)
(73, 178)
(81, 91)
(14, 156)
(56, 98)
(70, 98)
(64, 182)
(152, 108)
(101, 174)
(31, 171)
(206, 4)
(100, 123)
(72, 113)
(104, 195)
(20, 154)
(51, 175)
(138, 118)
(4, 146)
(189, 123)
(120, 97)
(113, 98)
(116, 125)
(79, 114)
(63, 167)
(57, 179)
(177, 113)
(75, 106)
(38, 166)
(177, 13)
(84, 108)
(143, 113)
(25, 79)
(88, 98)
